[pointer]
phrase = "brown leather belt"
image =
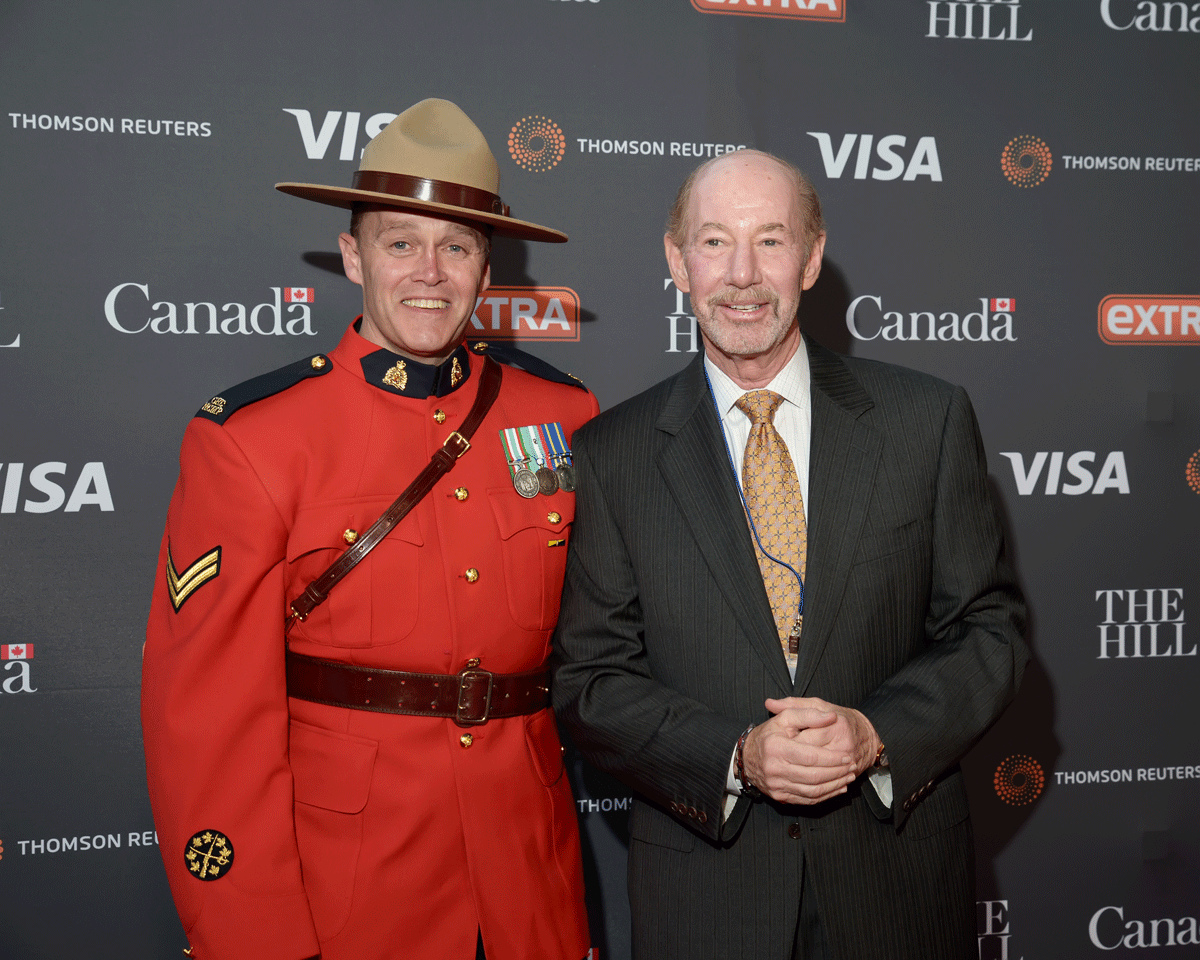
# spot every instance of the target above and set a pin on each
(470, 697)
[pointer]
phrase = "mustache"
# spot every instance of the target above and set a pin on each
(742, 297)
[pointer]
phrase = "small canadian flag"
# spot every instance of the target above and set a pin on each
(297, 294)
(16, 651)
(1003, 304)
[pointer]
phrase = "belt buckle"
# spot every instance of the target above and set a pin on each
(466, 677)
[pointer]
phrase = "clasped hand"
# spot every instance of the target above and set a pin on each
(809, 751)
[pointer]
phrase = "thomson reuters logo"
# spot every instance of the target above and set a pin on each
(536, 144)
(526, 313)
(1192, 472)
(1026, 161)
(1019, 780)
(796, 9)
(1153, 319)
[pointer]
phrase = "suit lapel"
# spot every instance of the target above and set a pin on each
(843, 458)
(694, 463)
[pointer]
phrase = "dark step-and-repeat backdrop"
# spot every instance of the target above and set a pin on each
(1011, 190)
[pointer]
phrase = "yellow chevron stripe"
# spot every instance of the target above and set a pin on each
(180, 586)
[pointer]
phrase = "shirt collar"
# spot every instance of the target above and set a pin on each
(400, 375)
(792, 382)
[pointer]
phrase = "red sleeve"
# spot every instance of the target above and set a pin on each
(214, 710)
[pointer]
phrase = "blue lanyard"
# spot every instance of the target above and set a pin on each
(729, 453)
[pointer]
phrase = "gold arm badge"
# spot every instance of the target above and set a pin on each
(209, 855)
(397, 377)
(180, 586)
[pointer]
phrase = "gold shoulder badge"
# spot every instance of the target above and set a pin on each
(480, 347)
(397, 377)
(215, 406)
(180, 586)
(209, 855)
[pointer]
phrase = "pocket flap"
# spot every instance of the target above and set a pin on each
(514, 513)
(322, 526)
(331, 770)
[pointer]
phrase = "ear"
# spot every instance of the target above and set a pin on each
(813, 269)
(350, 260)
(675, 264)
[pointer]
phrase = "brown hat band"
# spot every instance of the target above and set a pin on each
(430, 191)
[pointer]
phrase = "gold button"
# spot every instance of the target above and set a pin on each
(472, 574)
(554, 516)
(473, 662)
(466, 740)
(318, 363)
(439, 416)
(460, 493)
(481, 346)
(350, 536)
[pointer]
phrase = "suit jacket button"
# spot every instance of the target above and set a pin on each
(703, 817)
(795, 831)
(692, 813)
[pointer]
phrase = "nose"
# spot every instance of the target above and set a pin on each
(428, 268)
(743, 266)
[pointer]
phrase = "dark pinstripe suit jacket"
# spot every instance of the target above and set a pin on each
(666, 649)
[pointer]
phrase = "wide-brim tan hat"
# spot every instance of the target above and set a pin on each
(434, 160)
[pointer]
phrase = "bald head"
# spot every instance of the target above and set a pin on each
(680, 225)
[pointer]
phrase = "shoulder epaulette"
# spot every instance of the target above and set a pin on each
(507, 354)
(219, 408)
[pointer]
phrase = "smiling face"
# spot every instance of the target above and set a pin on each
(744, 262)
(420, 277)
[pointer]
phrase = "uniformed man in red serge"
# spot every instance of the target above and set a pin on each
(382, 778)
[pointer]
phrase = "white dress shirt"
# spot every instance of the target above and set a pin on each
(793, 421)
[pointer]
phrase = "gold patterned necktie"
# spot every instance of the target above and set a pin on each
(772, 493)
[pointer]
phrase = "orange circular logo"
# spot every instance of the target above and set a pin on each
(1026, 161)
(1193, 472)
(536, 143)
(1019, 780)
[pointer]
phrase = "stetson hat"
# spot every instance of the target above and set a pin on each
(434, 160)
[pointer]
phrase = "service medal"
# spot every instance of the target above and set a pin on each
(527, 483)
(566, 477)
(547, 480)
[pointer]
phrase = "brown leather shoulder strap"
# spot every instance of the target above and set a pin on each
(454, 447)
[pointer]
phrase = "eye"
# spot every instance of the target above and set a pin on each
(457, 248)
(712, 242)
(400, 245)
(770, 243)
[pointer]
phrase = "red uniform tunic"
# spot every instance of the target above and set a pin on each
(356, 834)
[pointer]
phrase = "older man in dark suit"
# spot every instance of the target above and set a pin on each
(788, 613)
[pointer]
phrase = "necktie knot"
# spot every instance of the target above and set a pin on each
(759, 405)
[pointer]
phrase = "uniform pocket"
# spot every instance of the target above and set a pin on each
(545, 749)
(533, 543)
(332, 777)
(376, 602)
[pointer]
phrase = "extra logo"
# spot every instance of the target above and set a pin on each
(1142, 623)
(128, 309)
(890, 151)
(536, 144)
(18, 675)
(1019, 780)
(1026, 161)
(1155, 16)
(90, 488)
(316, 142)
(957, 21)
(795, 9)
(993, 321)
(1113, 474)
(526, 313)
(1153, 319)
(1191, 473)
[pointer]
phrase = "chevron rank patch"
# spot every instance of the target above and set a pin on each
(180, 586)
(209, 855)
